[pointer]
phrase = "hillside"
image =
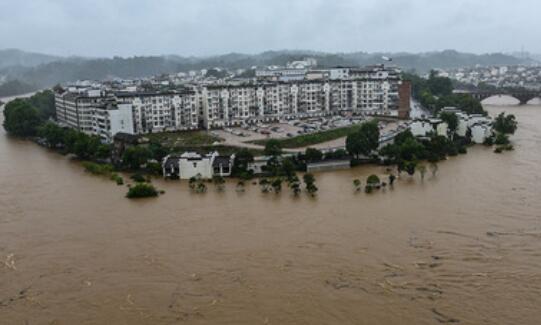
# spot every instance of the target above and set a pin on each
(44, 71)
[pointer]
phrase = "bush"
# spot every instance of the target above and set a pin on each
(338, 154)
(489, 141)
(154, 168)
(373, 180)
(505, 147)
(117, 178)
(98, 169)
(138, 177)
(501, 139)
(141, 190)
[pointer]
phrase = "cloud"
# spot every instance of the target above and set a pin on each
(206, 27)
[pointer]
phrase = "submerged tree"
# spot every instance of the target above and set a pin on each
(21, 118)
(310, 183)
(219, 182)
(264, 184)
(505, 124)
(357, 185)
(277, 185)
(434, 168)
(240, 186)
(392, 178)
(422, 170)
(294, 184)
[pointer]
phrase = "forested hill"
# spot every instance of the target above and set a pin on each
(56, 70)
(18, 58)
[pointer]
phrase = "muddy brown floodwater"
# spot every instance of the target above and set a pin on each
(463, 246)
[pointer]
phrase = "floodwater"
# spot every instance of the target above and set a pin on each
(461, 246)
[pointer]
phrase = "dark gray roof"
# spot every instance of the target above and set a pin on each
(221, 160)
(126, 137)
(171, 162)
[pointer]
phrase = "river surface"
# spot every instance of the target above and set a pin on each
(461, 246)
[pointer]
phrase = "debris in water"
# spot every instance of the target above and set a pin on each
(443, 318)
(393, 266)
(10, 262)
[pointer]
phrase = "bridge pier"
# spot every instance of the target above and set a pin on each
(524, 99)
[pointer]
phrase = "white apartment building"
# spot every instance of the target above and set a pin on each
(102, 109)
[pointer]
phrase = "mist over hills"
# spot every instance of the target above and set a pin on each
(35, 71)
(18, 58)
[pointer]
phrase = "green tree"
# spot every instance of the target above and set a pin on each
(439, 86)
(86, 147)
(157, 151)
(312, 155)
(294, 184)
(242, 159)
(501, 139)
(505, 124)
(277, 185)
(135, 156)
(310, 183)
(264, 184)
(422, 170)
(363, 141)
(288, 167)
(52, 133)
(21, 118)
(357, 185)
(273, 148)
(451, 119)
(219, 182)
(44, 103)
(142, 190)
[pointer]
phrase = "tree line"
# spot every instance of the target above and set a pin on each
(436, 93)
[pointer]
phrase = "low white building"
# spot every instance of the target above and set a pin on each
(480, 132)
(423, 128)
(442, 128)
(191, 164)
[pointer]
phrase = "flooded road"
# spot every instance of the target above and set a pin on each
(461, 246)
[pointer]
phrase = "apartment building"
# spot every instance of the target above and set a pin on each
(101, 109)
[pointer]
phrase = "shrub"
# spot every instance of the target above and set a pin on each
(117, 178)
(501, 139)
(98, 169)
(138, 177)
(373, 180)
(142, 190)
(154, 168)
(489, 141)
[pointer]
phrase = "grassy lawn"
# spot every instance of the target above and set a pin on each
(314, 138)
(184, 138)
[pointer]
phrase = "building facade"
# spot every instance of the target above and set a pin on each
(103, 111)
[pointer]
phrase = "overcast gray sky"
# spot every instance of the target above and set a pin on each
(207, 27)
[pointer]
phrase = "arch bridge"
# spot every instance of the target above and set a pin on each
(523, 96)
